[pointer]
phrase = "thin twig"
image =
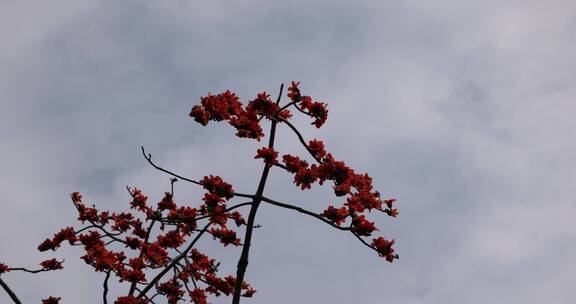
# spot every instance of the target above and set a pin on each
(300, 138)
(148, 157)
(302, 210)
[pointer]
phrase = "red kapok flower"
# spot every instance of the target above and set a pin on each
(305, 177)
(293, 163)
(316, 147)
(338, 216)
(4, 268)
(51, 300)
(51, 264)
(215, 185)
(126, 300)
(226, 236)
(363, 227)
(384, 248)
(198, 296)
(268, 155)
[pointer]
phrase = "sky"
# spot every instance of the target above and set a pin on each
(461, 110)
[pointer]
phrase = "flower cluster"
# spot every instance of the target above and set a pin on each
(51, 300)
(314, 109)
(106, 230)
(4, 268)
(357, 187)
(154, 250)
(227, 106)
(268, 155)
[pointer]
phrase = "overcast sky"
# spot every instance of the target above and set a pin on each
(462, 110)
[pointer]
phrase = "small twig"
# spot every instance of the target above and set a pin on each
(148, 157)
(302, 210)
(300, 138)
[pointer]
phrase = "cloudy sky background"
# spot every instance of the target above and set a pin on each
(462, 110)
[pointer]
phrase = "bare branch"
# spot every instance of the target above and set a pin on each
(105, 293)
(148, 157)
(302, 210)
(9, 292)
(300, 138)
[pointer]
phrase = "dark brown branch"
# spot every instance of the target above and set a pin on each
(105, 293)
(174, 261)
(225, 211)
(146, 239)
(148, 157)
(281, 166)
(257, 199)
(30, 271)
(300, 138)
(302, 210)
(9, 292)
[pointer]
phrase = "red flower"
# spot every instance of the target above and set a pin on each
(247, 125)
(51, 264)
(342, 189)
(238, 219)
(317, 148)
(172, 290)
(172, 239)
(262, 105)
(155, 254)
(226, 236)
(133, 243)
(294, 92)
(319, 112)
(212, 200)
(293, 163)
(392, 212)
(126, 300)
(305, 177)
(215, 185)
(338, 216)
(76, 197)
(138, 200)
(200, 115)
(51, 300)
(268, 155)
(46, 245)
(285, 114)
(167, 203)
(389, 202)
(198, 296)
(384, 248)
(4, 268)
(363, 227)
(364, 200)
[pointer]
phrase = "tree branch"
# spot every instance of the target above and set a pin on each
(302, 210)
(10, 292)
(174, 261)
(257, 199)
(148, 157)
(105, 293)
(300, 138)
